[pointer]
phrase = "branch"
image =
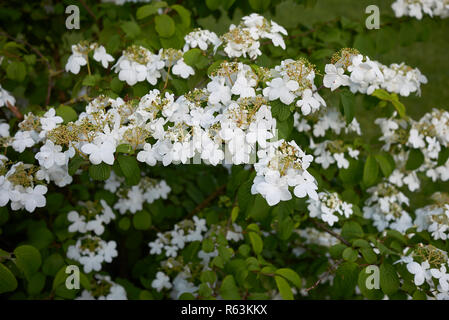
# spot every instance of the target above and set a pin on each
(336, 235)
(208, 200)
(14, 110)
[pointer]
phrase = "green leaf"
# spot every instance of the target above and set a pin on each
(284, 288)
(348, 103)
(165, 26)
(386, 163)
(66, 113)
(142, 220)
(195, 58)
(7, 280)
(290, 275)
(234, 213)
(369, 255)
(149, 9)
(130, 169)
(280, 110)
(16, 70)
(372, 293)
(116, 85)
(208, 276)
(100, 172)
(28, 259)
(443, 156)
(350, 254)
(345, 280)
(389, 281)
(351, 230)
(370, 171)
(259, 5)
(36, 283)
(131, 28)
(124, 148)
(124, 223)
(183, 13)
(415, 159)
(255, 239)
(381, 94)
(91, 80)
(75, 163)
(52, 264)
(213, 4)
(228, 289)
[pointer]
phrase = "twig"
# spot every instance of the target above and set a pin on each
(89, 10)
(324, 275)
(208, 200)
(336, 235)
(14, 110)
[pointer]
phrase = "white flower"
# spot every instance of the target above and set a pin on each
(280, 89)
(419, 270)
(131, 72)
(102, 56)
(162, 281)
(182, 69)
(6, 97)
(148, 155)
(22, 140)
(78, 222)
(51, 154)
(273, 188)
(335, 77)
(34, 197)
(104, 152)
(308, 103)
(49, 121)
(219, 91)
(75, 61)
(442, 276)
(91, 263)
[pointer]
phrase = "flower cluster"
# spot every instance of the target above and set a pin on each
(328, 206)
(90, 217)
(429, 135)
(324, 121)
(434, 218)
(244, 40)
(417, 8)
(21, 185)
(200, 38)
(293, 79)
(333, 151)
(282, 165)
(133, 198)
(385, 208)
(92, 251)
(429, 267)
(366, 75)
(80, 56)
(183, 232)
(313, 236)
(103, 288)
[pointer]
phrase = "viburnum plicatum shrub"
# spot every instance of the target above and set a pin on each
(165, 160)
